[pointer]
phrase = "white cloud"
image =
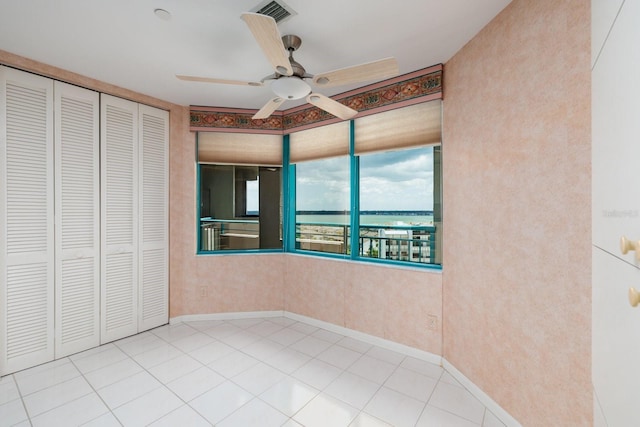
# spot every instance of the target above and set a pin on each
(399, 180)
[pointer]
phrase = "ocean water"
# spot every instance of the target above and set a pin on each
(367, 219)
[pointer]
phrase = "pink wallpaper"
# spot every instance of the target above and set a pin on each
(517, 211)
(391, 303)
(210, 284)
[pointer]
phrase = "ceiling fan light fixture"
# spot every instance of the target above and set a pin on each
(290, 88)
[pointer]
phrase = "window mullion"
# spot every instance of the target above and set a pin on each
(354, 174)
(289, 197)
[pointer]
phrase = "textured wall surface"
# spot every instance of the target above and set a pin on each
(517, 211)
(388, 302)
(211, 284)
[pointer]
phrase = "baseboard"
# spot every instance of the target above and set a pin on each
(369, 339)
(225, 316)
(483, 397)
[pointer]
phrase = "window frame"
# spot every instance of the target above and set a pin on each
(198, 218)
(354, 224)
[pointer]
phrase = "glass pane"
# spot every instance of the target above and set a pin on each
(240, 207)
(322, 205)
(397, 205)
(253, 197)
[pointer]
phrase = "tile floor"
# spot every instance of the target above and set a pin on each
(247, 372)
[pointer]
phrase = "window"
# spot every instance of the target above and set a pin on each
(240, 202)
(367, 189)
(379, 199)
(400, 184)
(322, 205)
(322, 183)
(396, 205)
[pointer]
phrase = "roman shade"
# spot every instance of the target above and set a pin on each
(319, 143)
(412, 126)
(239, 148)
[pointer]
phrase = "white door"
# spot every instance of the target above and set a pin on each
(26, 220)
(119, 226)
(154, 242)
(616, 210)
(77, 213)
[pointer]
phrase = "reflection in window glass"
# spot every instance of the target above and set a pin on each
(253, 197)
(240, 207)
(322, 205)
(397, 205)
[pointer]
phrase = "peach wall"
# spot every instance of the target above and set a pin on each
(231, 283)
(388, 302)
(517, 211)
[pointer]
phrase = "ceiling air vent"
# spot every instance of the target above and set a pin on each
(275, 9)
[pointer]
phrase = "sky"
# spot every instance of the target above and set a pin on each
(397, 180)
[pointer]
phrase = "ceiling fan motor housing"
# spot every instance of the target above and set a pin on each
(291, 42)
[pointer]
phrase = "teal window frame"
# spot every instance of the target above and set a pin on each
(198, 219)
(354, 237)
(289, 214)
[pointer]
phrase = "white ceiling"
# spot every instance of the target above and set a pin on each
(124, 43)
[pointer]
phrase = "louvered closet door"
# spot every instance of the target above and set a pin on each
(26, 220)
(77, 166)
(119, 223)
(153, 278)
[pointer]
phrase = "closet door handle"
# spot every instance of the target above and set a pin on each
(627, 245)
(634, 297)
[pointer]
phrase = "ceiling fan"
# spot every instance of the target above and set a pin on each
(290, 78)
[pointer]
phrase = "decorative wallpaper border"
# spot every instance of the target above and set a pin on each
(419, 86)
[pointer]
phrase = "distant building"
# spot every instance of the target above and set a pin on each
(404, 245)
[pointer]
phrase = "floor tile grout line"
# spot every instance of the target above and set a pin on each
(99, 396)
(453, 413)
(429, 398)
(149, 373)
(21, 397)
(260, 337)
(217, 372)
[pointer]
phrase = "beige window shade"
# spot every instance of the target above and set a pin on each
(319, 143)
(418, 124)
(240, 148)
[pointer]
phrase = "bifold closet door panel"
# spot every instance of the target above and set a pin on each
(26, 220)
(77, 207)
(119, 212)
(154, 276)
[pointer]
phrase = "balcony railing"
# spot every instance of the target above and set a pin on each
(229, 234)
(323, 237)
(407, 243)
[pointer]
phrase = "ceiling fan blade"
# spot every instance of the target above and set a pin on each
(268, 108)
(375, 70)
(331, 106)
(265, 31)
(219, 81)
